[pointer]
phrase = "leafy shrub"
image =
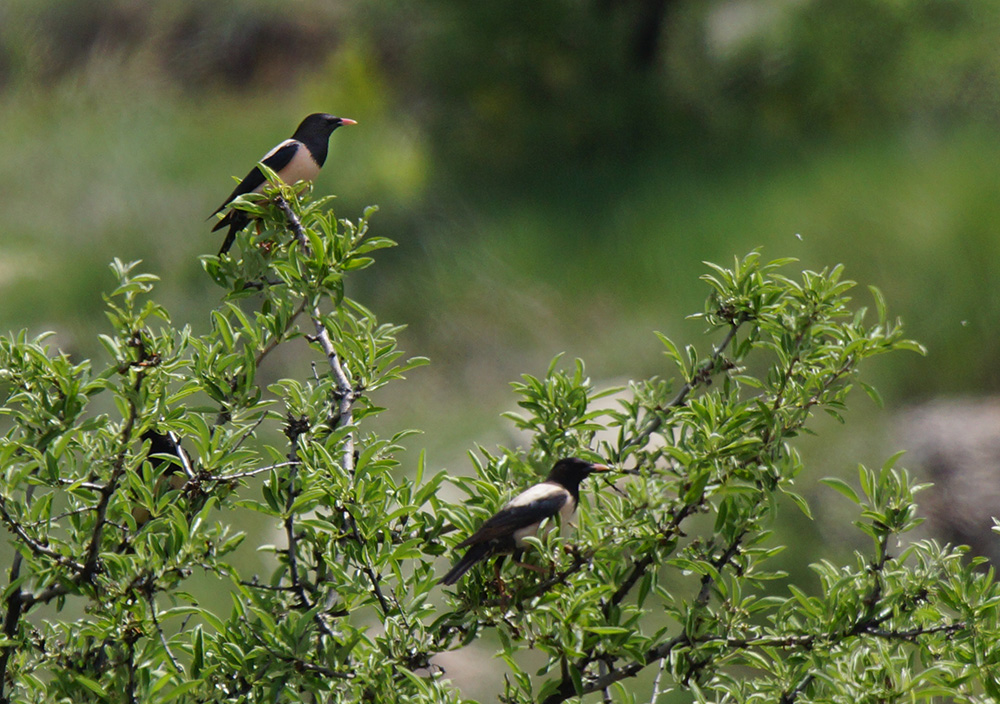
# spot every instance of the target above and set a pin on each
(123, 480)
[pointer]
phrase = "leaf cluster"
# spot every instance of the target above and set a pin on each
(124, 479)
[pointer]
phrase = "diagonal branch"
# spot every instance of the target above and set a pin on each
(299, 587)
(366, 566)
(151, 602)
(35, 546)
(701, 376)
(277, 339)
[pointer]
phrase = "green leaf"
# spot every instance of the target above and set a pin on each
(181, 689)
(800, 502)
(607, 630)
(843, 487)
(90, 684)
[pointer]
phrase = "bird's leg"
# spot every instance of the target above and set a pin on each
(516, 559)
(498, 583)
(533, 568)
(496, 573)
(266, 246)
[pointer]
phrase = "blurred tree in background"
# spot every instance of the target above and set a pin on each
(510, 86)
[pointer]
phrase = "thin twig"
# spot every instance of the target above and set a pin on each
(130, 664)
(366, 566)
(707, 366)
(580, 560)
(655, 696)
(720, 563)
(59, 517)
(298, 663)
(640, 567)
(248, 473)
(254, 584)
(92, 486)
(108, 490)
(48, 594)
(248, 434)
(789, 697)
(159, 630)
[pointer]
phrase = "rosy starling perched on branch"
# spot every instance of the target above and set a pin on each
(520, 517)
(297, 159)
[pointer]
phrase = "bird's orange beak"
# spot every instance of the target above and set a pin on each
(347, 121)
(600, 468)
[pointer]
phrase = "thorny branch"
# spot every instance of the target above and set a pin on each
(345, 391)
(346, 396)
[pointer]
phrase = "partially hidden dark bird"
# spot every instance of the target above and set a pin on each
(174, 476)
(520, 517)
(296, 159)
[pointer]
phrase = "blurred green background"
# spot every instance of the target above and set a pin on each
(555, 172)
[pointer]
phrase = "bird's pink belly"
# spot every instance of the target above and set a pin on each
(526, 532)
(565, 517)
(300, 168)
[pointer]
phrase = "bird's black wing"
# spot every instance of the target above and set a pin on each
(474, 555)
(276, 159)
(514, 516)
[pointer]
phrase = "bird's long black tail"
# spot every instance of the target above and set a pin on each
(228, 242)
(475, 554)
(236, 220)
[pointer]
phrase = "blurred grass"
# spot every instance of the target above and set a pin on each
(915, 218)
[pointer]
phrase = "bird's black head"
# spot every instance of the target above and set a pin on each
(319, 125)
(569, 472)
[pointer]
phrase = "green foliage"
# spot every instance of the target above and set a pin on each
(667, 570)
